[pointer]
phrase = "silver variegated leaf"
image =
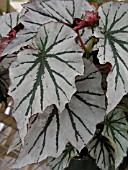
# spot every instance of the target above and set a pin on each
(63, 160)
(103, 151)
(15, 145)
(8, 22)
(7, 61)
(50, 131)
(116, 127)
(61, 11)
(48, 71)
(39, 12)
(113, 48)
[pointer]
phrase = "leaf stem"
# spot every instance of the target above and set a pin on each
(1, 12)
(7, 6)
(81, 41)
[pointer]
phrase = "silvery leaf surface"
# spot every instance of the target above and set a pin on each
(50, 131)
(45, 74)
(16, 144)
(102, 150)
(7, 23)
(39, 13)
(113, 48)
(116, 127)
(63, 160)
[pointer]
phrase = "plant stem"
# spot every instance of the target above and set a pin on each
(1, 13)
(81, 41)
(7, 6)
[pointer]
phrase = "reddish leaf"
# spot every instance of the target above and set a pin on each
(89, 20)
(5, 41)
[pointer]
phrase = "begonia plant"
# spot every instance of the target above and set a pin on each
(67, 67)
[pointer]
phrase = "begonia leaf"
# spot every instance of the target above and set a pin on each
(39, 12)
(45, 74)
(113, 48)
(116, 127)
(50, 131)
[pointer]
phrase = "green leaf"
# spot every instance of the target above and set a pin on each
(87, 163)
(93, 0)
(116, 128)
(124, 103)
(113, 48)
(50, 131)
(4, 81)
(48, 70)
(101, 149)
(63, 160)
